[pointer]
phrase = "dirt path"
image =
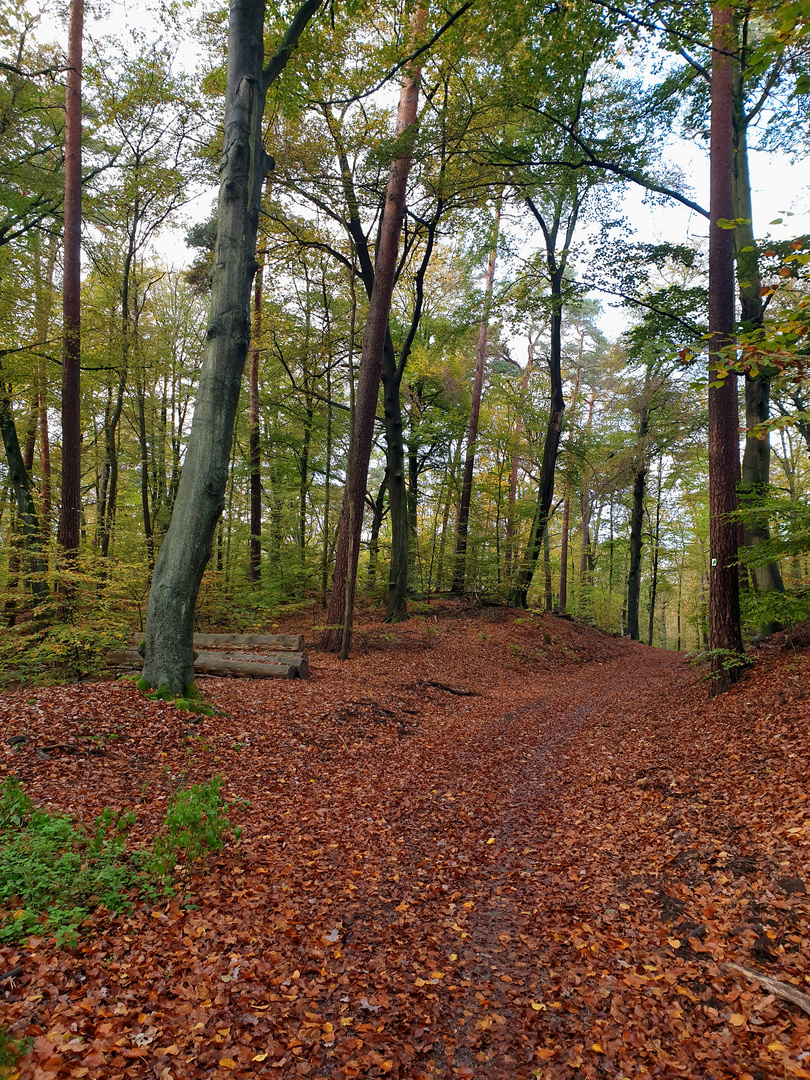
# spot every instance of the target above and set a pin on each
(535, 876)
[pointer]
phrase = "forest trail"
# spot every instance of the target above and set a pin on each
(493, 847)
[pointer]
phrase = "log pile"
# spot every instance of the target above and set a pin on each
(256, 656)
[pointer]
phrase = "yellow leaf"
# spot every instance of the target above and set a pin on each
(437, 974)
(328, 1027)
(223, 1031)
(453, 956)
(491, 840)
(776, 1047)
(228, 1063)
(401, 907)
(597, 1048)
(674, 942)
(737, 1019)
(419, 982)
(261, 1057)
(538, 1005)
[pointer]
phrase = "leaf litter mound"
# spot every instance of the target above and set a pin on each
(489, 845)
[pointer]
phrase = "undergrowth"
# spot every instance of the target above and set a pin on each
(55, 871)
(11, 1050)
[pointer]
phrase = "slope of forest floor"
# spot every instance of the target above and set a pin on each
(488, 845)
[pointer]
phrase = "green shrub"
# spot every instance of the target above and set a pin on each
(196, 822)
(54, 872)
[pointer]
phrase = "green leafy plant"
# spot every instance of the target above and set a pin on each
(54, 871)
(196, 823)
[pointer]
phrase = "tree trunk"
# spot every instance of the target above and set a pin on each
(656, 538)
(756, 463)
(556, 263)
(374, 340)
(70, 509)
(255, 552)
(26, 509)
(169, 657)
(636, 524)
(725, 634)
(475, 409)
(509, 552)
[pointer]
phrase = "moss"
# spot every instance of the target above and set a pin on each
(142, 684)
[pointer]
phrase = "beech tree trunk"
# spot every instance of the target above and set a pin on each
(551, 446)
(169, 656)
(26, 509)
(725, 634)
(636, 524)
(255, 555)
(341, 601)
(460, 568)
(756, 462)
(70, 507)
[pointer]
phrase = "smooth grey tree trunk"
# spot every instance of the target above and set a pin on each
(169, 657)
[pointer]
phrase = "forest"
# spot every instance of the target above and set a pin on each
(517, 451)
(452, 358)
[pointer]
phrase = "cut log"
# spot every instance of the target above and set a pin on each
(257, 665)
(255, 669)
(298, 660)
(786, 991)
(267, 642)
(263, 642)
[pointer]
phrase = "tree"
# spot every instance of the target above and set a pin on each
(374, 340)
(169, 659)
(472, 430)
(725, 633)
(70, 506)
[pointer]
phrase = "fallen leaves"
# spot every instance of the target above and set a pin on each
(543, 880)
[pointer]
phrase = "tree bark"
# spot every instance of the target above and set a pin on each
(26, 508)
(169, 657)
(460, 567)
(70, 507)
(636, 524)
(341, 601)
(756, 462)
(725, 634)
(255, 553)
(551, 446)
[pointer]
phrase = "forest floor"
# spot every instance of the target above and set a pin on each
(488, 845)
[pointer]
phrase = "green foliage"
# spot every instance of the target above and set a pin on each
(196, 822)
(54, 871)
(72, 634)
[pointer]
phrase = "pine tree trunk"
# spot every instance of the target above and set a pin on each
(70, 508)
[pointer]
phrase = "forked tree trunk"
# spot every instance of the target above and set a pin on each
(341, 601)
(70, 507)
(725, 635)
(169, 656)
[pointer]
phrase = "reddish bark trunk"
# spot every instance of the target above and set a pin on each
(69, 516)
(368, 382)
